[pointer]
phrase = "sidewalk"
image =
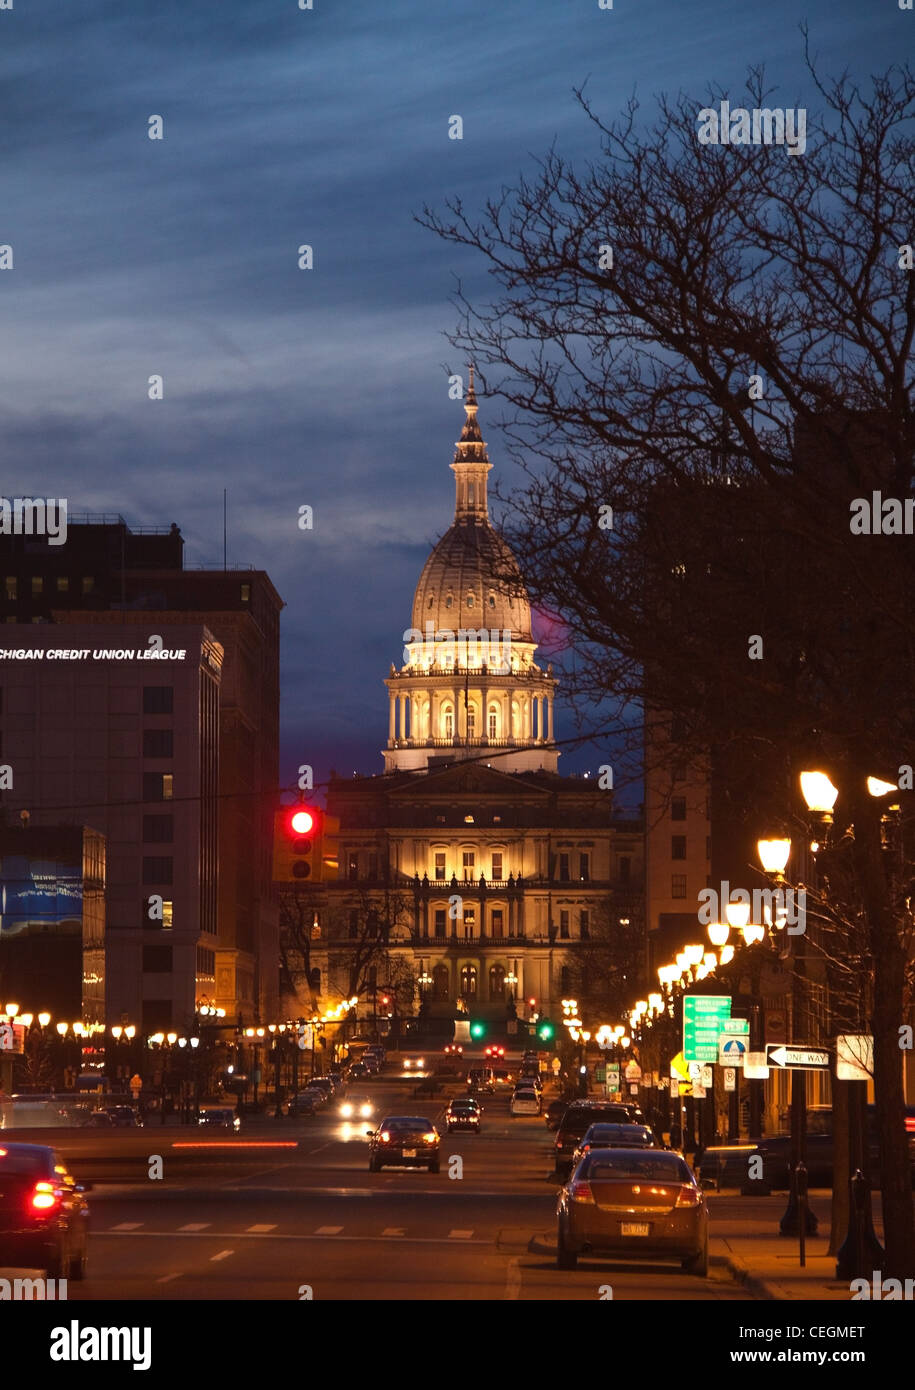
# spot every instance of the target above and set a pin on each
(768, 1264)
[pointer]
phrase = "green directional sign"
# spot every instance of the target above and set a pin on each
(703, 1017)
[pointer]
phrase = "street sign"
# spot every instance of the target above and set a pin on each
(679, 1068)
(674, 1088)
(708, 1077)
(703, 1015)
(695, 1071)
(855, 1057)
(731, 1051)
(754, 1067)
(796, 1058)
(736, 1027)
(633, 1071)
(633, 1088)
(698, 1091)
(730, 1079)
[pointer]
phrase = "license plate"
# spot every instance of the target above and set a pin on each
(409, 1153)
(635, 1228)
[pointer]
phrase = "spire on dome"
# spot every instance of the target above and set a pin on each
(471, 464)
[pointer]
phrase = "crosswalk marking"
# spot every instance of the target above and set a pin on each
(261, 1229)
(195, 1226)
(459, 1235)
(223, 1255)
(128, 1226)
(328, 1230)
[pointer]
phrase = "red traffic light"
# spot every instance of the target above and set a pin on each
(301, 821)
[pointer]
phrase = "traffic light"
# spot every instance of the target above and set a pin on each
(478, 1029)
(304, 845)
(546, 1031)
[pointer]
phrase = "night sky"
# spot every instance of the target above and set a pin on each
(325, 387)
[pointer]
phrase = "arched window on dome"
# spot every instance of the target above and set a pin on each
(448, 601)
(493, 725)
(447, 721)
(431, 603)
(470, 600)
(492, 600)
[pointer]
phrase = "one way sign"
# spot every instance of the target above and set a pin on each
(796, 1058)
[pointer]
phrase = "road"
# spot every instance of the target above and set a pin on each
(289, 1209)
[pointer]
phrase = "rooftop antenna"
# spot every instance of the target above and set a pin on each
(225, 496)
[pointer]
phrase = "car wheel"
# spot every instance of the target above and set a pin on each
(565, 1258)
(698, 1264)
(435, 1166)
(59, 1261)
(79, 1263)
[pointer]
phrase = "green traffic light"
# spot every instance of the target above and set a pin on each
(477, 1029)
(546, 1032)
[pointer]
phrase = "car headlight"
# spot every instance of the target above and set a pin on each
(365, 1111)
(431, 1137)
(347, 1110)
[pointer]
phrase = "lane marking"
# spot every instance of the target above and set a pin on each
(393, 1231)
(167, 1278)
(261, 1229)
(223, 1255)
(328, 1230)
(281, 1235)
(195, 1226)
(460, 1235)
(128, 1226)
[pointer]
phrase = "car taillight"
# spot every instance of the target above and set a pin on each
(581, 1192)
(689, 1196)
(44, 1196)
(910, 1124)
(431, 1137)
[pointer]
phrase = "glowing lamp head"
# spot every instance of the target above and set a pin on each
(718, 933)
(877, 787)
(819, 793)
(737, 912)
(773, 854)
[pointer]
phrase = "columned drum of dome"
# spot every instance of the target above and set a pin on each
(469, 686)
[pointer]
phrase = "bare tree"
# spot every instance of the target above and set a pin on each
(709, 348)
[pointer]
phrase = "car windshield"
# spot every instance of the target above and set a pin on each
(408, 1122)
(28, 1162)
(465, 1106)
(630, 1134)
(651, 1167)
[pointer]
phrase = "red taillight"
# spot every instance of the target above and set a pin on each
(581, 1192)
(910, 1124)
(689, 1196)
(44, 1197)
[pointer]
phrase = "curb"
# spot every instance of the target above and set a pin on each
(743, 1275)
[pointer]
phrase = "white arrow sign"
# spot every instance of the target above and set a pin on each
(801, 1058)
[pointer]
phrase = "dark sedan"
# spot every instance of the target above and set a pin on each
(463, 1114)
(44, 1216)
(615, 1136)
(625, 1202)
(410, 1140)
(578, 1118)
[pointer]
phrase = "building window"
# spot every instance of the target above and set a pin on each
(471, 721)
(440, 982)
(439, 820)
(497, 820)
(678, 808)
(168, 914)
(493, 722)
(498, 922)
(63, 584)
(449, 601)
(440, 866)
(564, 924)
(157, 960)
(678, 885)
(470, 600)
(584, 923)
(497, 868)
(37, 585)
(469, 981)
(497, 982)
(440, 925)
(678, 846)
(12, 587)
(625, 868)
(157, 868)
(565, 980)
(152, 786)
(468, 859)
(492, 600)
(447, 722)
(678, 772)
(584, 867)
(158, 699)
(565, 873)
(159, 830)
(158, 743)
(88, 584)
(206, 963)
(246, 593)
(352, 867)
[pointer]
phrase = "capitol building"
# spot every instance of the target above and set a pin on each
(474, 880)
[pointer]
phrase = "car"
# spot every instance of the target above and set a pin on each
(604, 1136)
(323, 1084)
(307, 1103)
(578, 1118)
(220, 1118)
(525, 1101)
(358, 1071)
(44, 1215)
(339, 1081)
(532, 1078)
(481, 1079)
(98, 1119)
(414, 1065)
(123, 1116)
(555, 1111)
(371, 1066)
(503, 1078)
(357, 1108)
(463, 1114)
(411, 1140)
(629, 1202)
(453, 1050)
(495, 1052)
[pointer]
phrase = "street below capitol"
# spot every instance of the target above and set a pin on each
(238, 1222)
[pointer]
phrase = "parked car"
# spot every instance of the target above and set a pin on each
(463, 1114)
(614, 1136)
(411, 1140)
(555, 1111)
(578, 1117)
(629, 1202)
(44, 1215)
